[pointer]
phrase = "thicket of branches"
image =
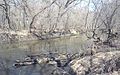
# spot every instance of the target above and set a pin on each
(94, 17)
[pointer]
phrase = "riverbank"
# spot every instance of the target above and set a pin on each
(101, 63)
(25, 35)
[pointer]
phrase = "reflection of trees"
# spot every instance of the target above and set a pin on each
(32, 48)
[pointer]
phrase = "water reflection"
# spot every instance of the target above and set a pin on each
(10, 52)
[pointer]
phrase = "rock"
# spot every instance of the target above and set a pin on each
(79, 66)
(100, 63)
(23, 63)
(42, 60)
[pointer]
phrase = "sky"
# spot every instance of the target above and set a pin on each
(84, 3)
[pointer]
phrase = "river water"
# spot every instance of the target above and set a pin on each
(10, 52)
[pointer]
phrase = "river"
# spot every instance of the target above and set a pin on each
(10, 52)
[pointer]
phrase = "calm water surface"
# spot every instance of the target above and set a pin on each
(10, 52)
